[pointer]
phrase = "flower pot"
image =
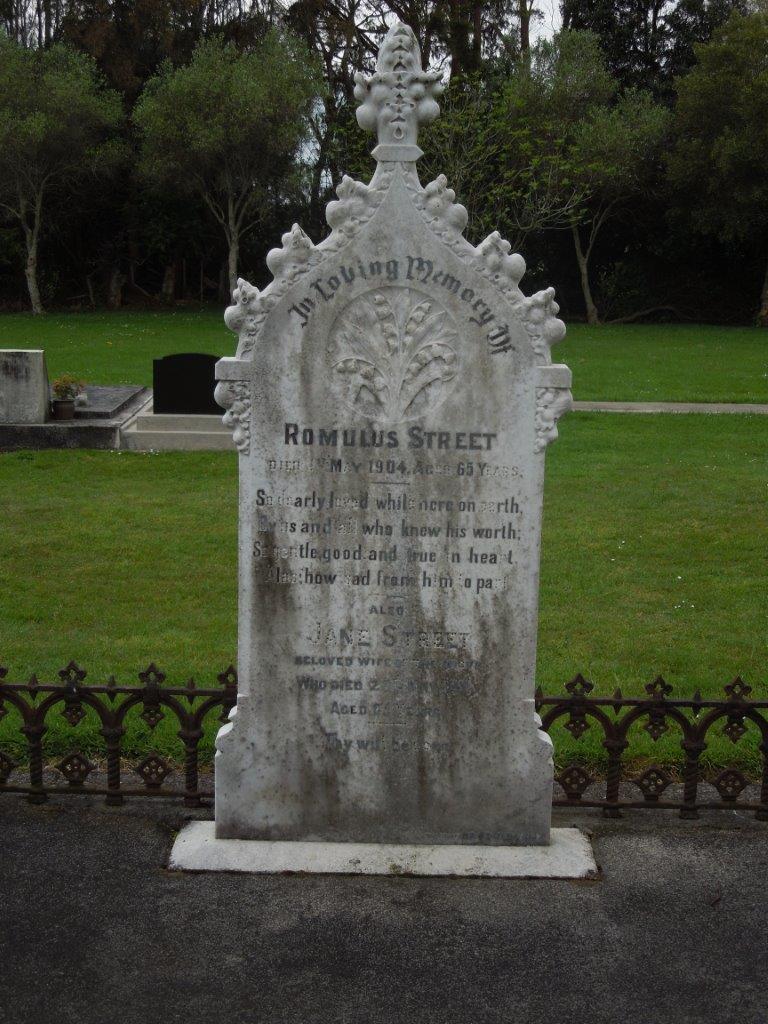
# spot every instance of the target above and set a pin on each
(63, 408)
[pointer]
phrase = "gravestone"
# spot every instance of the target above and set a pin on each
(392, 398)
(24, 393)
(184, 383)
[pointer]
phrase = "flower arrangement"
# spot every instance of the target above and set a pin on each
(67, 387)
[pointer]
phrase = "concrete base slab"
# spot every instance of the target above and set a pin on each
(177, 441)
(182, 422)
(569, 855)
(176, 432)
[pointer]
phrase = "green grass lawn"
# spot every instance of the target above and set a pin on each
(654, 561)
(667, 363)
(116, 348)
(634, 362)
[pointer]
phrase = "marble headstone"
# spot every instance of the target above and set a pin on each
(392, 399)
(24, 393)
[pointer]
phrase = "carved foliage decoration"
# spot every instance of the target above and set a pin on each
(539, 315)
(492, 258)
(393, 354)
(440, 204)
(245, 316)
(346, 214)
(235, 397)
(551, 403)
(493, 255)
(293, 258)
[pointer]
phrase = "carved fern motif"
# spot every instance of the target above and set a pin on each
(393, 354)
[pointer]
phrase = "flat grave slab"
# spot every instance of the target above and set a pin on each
(107, 401)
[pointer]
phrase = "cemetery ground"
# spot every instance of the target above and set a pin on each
(627, 362)
(653, 563)
(95, 929)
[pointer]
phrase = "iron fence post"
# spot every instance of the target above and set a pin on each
(615, 748)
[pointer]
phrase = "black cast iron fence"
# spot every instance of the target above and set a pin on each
(695, 718)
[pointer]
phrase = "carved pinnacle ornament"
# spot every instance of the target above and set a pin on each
(398, 97)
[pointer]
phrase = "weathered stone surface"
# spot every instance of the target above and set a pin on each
(24, 396)
(392, 398)
(569, 855)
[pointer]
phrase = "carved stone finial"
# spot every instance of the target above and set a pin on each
(292, 258)
(398, 97)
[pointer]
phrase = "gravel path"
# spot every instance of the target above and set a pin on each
(93, 928)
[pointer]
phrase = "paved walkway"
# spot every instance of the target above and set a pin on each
(94, 929)
(679, 407)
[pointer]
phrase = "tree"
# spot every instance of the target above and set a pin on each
(229, 127)
(345, 35)
(31, 22)
(648, 42)
(56, 123)
(616, 155)
(572, 152)
(633, 35)
(692, 22)
(550, 146)
(457, 36)
(720, 156)
(130, 39)
(505, 140)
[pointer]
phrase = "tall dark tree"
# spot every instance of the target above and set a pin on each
(193, 140)
(719, 161)
(56, 127)
(648, 42)
(33, 23)
(129, 39)
(692, 22)
(633, 35)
